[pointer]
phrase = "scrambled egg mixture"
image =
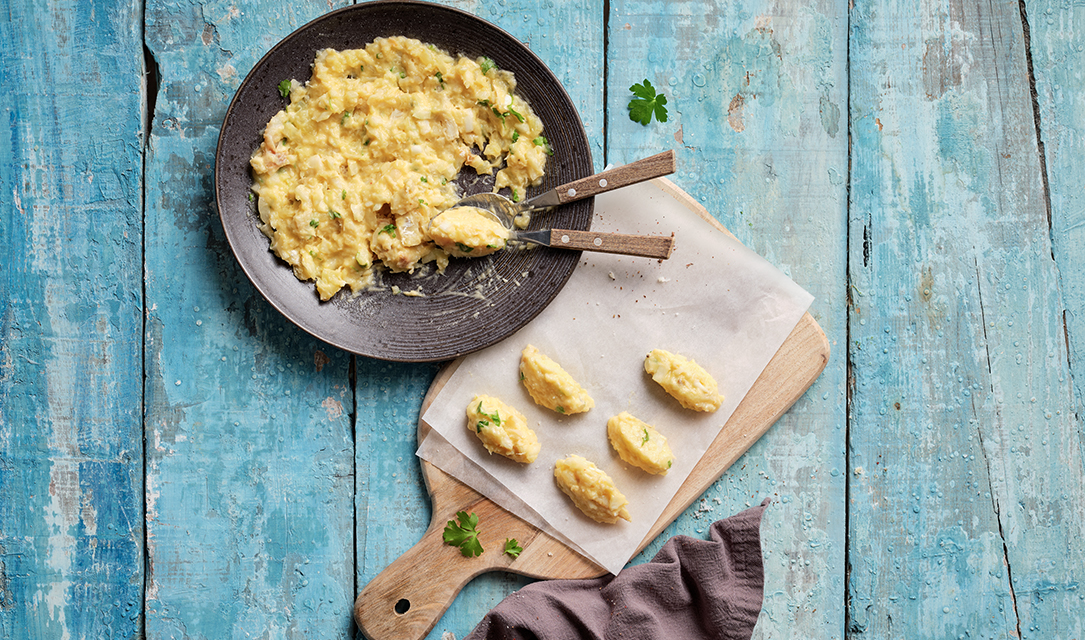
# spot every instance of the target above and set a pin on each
(502, 429)
(685, 380)
(350, 173)
(468, 232)
(551, 386)
(639, 444)
(591, 490)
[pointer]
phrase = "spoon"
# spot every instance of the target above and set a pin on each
(512, 214)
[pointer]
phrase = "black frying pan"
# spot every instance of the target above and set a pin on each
(476, 302)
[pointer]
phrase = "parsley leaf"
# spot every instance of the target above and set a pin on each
(486, 65)
(464, 534)
(513, 548)
(646, 104)
(464, 248)
(314, 223)
(390, 229)
(645, 441)
(284, 88)
(334, 214)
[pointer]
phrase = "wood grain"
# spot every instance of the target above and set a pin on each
(660, 164)
(71, 440)
(757, 95)
(249, 467)
(621, 243)
(967, 506)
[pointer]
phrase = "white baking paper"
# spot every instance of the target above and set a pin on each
(714, 301)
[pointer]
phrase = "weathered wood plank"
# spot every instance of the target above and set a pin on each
(1058, 39)
(249, 421)
(757, 100)
(393, 509)
(71, 528)
(966, 510)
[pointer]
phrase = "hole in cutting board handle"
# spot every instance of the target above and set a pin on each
(403, 606)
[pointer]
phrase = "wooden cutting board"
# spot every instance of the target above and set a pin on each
(406, 600)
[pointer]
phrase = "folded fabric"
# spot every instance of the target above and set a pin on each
(691, 589)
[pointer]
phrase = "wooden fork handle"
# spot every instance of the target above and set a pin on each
(626, 244)
(655, 166)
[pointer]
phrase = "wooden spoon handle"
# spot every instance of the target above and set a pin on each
(660, 164)
(623, 243)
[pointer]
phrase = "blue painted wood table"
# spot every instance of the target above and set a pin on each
(178, 461)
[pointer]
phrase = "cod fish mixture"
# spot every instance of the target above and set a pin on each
(352, 170)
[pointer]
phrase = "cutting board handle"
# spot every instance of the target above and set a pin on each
(405, 601)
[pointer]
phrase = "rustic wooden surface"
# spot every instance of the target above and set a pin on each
(176, 461)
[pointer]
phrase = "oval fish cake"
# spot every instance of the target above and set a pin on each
(591, 490)
(639, 444)
(550, 385)
(684, 379)
(502, 429)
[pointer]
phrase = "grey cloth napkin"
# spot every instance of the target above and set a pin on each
(692, 589)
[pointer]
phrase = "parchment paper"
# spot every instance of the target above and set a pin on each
(714, 301)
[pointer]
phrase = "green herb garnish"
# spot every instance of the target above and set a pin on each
(390, 229)
(513, 548)
(464, 248)
(645, 441)
(544, 143)
(313, 223)
(284, 88)
(463, 533)
(486, 65)
(647, 103)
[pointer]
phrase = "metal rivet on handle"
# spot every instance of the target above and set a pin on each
(572, 193)
(565, 239)
(602, 182)
(597, 242)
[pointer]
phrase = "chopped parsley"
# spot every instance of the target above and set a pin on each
(544, 143)
(646, 103)
(314, 223)
(344, 194)
(343, 120)
(424, 179)
(284, 88)
(495, 416)
(645, 441)
(390, 229)
(334, 214)
(464, 248)
(486, 65)
(559, 409)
